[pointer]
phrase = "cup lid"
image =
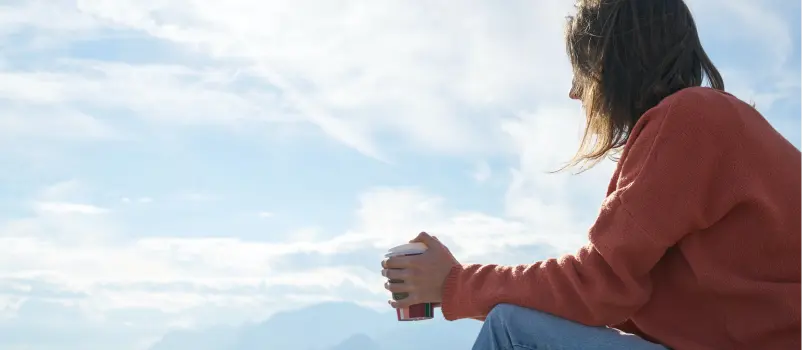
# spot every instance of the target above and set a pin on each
(408, 248)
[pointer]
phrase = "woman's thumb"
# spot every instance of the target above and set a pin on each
(427, 239)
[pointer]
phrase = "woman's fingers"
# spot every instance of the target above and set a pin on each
(396, 274)
(397, 262)
(412, 299)
(397, 287)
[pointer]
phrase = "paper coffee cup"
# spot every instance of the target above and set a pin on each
(414, 312)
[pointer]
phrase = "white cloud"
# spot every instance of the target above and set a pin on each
(62, 190)
(55, 17)
(61, 214)
(215, 269)
(68, 208)
(164, 93)
(55, 123)
(437, 77)
(354, 71)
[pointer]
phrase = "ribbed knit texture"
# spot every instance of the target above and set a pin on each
(697, 244)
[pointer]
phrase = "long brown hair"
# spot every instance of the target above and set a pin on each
(627, 56)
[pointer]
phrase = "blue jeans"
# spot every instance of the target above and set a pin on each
(510, 327)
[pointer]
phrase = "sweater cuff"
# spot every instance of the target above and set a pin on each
(454, 300)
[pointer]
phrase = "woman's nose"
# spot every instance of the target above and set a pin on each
(574, 94)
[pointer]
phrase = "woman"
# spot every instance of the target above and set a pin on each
(697, 244)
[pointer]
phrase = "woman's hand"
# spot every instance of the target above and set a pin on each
(423, 275)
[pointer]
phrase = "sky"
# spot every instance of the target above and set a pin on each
(170, 164)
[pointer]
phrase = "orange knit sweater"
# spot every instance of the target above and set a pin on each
(697, 245)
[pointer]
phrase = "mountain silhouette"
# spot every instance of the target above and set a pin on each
(358, 341)
(219, 338)
(323, 324)
(328, 326)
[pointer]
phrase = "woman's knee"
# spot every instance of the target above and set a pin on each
(532, 329)
(503, 311)
(523, 325)
(513, 316)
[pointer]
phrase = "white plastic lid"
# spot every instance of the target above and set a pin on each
(406, 249)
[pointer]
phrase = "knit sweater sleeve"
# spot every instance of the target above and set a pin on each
(671, 181)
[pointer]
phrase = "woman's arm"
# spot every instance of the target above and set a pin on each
(674, 178)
